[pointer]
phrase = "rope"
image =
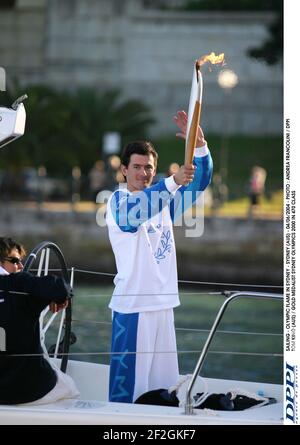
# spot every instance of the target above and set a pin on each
(261, 354)
(109, 323)
(131, 295)
(230, 284)
(179, 281)
(191, 282)
(14, 292)
(95, 273)
(230, 332)
(147, 295)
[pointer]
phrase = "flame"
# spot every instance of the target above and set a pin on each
(212, 58)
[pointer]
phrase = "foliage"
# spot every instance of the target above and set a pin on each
(243, 153)
(65, 129)
(46, 117)
(93, 114)
(232, 5)
(271, 50)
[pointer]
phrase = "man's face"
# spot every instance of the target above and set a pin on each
(12, 263)
(140, 172)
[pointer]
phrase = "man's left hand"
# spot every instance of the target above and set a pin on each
(185, 175)
(181, 120)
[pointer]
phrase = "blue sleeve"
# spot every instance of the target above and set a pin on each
(186, 196)
(130, 210)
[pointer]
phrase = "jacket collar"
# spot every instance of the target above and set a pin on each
(3, 271)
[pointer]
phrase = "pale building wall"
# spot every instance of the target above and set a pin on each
(149, 54)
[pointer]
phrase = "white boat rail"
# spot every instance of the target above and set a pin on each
(236, 295)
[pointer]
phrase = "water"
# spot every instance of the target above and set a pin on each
(239, 334)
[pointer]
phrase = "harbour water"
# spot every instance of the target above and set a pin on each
(247, 346)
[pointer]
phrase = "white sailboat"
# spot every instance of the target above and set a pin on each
(93, 407)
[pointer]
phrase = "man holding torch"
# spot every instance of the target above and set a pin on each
(139, 219)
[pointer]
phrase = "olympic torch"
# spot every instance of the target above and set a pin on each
(195, 104)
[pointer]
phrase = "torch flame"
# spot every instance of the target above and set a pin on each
(212, 58)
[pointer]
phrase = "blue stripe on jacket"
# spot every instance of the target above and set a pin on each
(132, 210)
(183, 201)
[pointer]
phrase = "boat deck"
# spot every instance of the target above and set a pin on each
(93, 408)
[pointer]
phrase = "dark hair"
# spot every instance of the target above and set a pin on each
(143, 148)
(7, 245)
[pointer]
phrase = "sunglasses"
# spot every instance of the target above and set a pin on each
(13, 260)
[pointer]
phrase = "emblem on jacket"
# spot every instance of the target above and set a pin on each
(164, 246)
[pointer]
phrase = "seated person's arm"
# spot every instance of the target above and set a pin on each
(41, 290)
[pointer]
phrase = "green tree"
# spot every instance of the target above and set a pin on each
(232, 5)
(66, 129)
(46, 117)
(93, 114)
(271, 50)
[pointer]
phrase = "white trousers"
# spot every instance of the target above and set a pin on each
(65, 388)
(155, 365)
(158, 367)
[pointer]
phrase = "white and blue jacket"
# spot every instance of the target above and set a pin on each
(140, 229)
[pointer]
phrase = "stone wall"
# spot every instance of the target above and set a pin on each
(149, 54)
(22, 38)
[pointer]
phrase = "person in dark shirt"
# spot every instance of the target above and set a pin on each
(11, 255)
(25, 375)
